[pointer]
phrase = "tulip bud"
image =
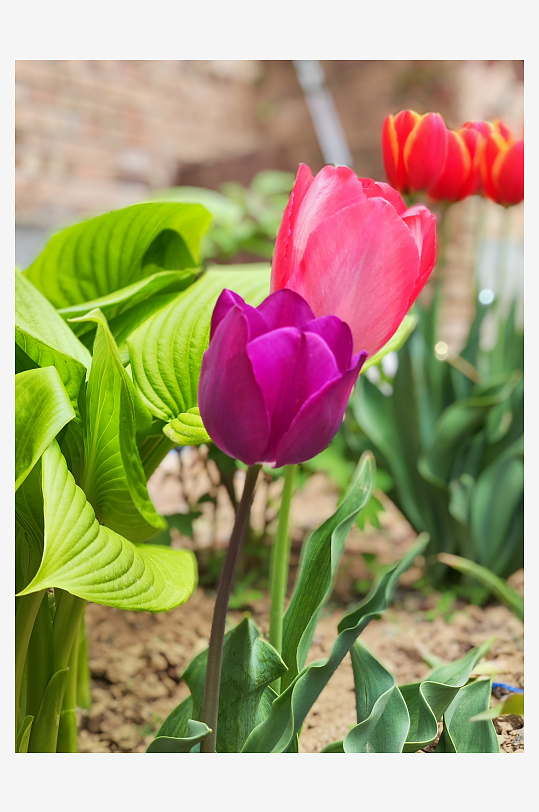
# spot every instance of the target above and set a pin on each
(413, 150)
(275, 381)
(502, 169)
(350, 248)
(456, 179)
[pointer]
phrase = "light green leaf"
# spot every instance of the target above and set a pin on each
(110, 252)
(45, 337)
(460, 735)
(44, 735)
(92, 562)
(383, 720)
(289, 710)
(187, 429)
(42, 408)
(24, 734)
(113, 477)
(511, 705)
(497, 586)
(406, 328)
(166, 351)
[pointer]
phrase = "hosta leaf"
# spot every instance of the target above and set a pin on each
(166, 351)
(94, 258)
(321, 557)
(42, 408)
(28, 528)
(113, 480)
(45, 337)
(289, 710)
(429, 699)
(460, 735)
(94, 563)
(187, 429)
(383, 720)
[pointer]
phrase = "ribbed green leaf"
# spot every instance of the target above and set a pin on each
(320, 561)
(166, 351)
(94, 258)
(460, 735)
(383, 720)
(113, 479)
(42, 408)
(45, 337)
(429, 699)
(28, 528)
(94, 563)
(289, 710)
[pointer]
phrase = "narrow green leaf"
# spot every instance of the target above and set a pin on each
(197, 731)
(113, 479)
(94, 258)
(460, 735)
(167, 378)
(44, 735)
(42, 408)
(383, 720)
(320, 561)
(24, 734)
(94, 563)
(288, 711)
(497, 586)
(512, 704)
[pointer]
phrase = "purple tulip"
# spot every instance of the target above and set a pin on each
(275, 381)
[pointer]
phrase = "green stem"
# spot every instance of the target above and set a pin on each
(69, 611)
(39, 659)
(280, 563)
(24, 623)
(212, 687)
(67, 731)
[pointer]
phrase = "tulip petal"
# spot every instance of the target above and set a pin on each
(226, 301)
(318, 420)
(241, 429)
(455, 175)
(334, 188)
(425, 151)
(362, 265)
(281, 265)
(508, 175)
(380, 189)
(289, 366)
(422, 225)
(338, 337)
(285, 309)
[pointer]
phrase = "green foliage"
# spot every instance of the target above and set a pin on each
(453, 447)
(496, 586)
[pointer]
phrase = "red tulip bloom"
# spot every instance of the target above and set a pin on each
(456, 179)
(502, 169)
(413, 149)
(351, 249)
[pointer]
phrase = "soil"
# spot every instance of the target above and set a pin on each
(137, 659)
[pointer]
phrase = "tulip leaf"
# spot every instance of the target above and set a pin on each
(383, 720)
(107, 253)
(196, 732)
(92, 562)
(497, 586)
(511, 705)
(321, 556)
(42, 408)
(460, 734)
(113, 478)
(428, 700)
(406, 328)
(45, 337)
(288, 711)
(166, 351)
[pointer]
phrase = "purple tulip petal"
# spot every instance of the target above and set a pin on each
(338, 337)
(285, 308)
(318, 420)
(238, 424)
(290, 366)
(227, 300)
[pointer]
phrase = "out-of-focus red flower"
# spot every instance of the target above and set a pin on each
(474, 135)
(502, 167)
(413, 149)
(456, 179)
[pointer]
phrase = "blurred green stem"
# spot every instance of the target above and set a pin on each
(280, 563)
(212, 687)
(27, 609)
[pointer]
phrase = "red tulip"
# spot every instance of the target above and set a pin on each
(502, 169)
(413, 149)
(350, 247)
(456, 179)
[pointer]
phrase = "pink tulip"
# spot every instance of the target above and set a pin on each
(350, 247)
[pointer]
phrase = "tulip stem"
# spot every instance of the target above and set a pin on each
(212, 687)
(280, 563)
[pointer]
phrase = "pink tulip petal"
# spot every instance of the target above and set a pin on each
(422, 225)
(281, 265)
(362, 265)
(318, 420)
(285, 309)
(380, 189)
(337, 336)
(239, 425)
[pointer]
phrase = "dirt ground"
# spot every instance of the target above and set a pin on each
(136, 659)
